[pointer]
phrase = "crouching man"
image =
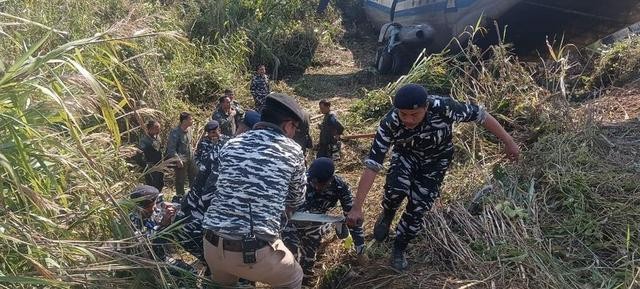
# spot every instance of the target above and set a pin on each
(324, 191)
(261, 176)
(150, 218)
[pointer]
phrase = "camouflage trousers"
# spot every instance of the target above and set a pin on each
(418, 179)
(303, 240)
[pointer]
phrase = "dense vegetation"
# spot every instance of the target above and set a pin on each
(76, 80)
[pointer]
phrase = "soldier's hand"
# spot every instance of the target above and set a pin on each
(512, 151)
(169, 213)
(355, 217)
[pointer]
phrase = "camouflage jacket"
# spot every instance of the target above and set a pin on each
(432, 138)
(262, 168)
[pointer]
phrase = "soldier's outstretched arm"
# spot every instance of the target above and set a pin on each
(511, 148)
(355, 216)
(373, 164)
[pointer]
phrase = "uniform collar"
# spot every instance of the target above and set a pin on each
(268, 126)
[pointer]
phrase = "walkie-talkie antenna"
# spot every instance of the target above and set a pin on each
(250, 220)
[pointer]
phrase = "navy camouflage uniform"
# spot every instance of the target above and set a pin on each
(304, 239)
(259, 90)
(196, 202)
(256, 167)
(419, 160)
(264, 168)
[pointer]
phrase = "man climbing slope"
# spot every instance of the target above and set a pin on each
(420, 129)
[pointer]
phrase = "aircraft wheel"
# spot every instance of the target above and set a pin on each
(400, 63)
(384, 61)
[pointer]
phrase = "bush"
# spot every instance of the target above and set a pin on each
(617, 64)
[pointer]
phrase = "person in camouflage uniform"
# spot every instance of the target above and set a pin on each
(151, 216)
(324, 191)
(152, 155)
(225, 116)
(179, 147)
(260, 87)
(420, 129)
(196, 202)
(260, 178)
(235, 105)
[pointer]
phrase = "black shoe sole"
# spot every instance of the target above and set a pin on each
(381, 229)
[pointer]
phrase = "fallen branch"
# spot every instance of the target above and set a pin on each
(358, 136)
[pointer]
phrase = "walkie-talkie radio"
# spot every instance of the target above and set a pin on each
(249, 243)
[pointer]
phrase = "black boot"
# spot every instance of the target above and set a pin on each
(399, 256)
(381, 228)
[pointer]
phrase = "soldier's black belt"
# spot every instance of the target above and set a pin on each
(229, 245)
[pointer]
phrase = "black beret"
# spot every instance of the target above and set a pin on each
(144, 195)
(284, 104)
(321, 169)
(211, 125)
(410, 96)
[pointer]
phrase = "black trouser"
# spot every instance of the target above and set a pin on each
(327, 150)
(155, 179)
(304, 239)
(418, 179)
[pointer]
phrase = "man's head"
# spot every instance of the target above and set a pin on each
(282, 110)
(230, 94)
(212, 128)
(248, 121)
(411, 102)
(185, 120)
(145, 198)
(225, 103)
(325, 106)
(153, 128)
(261, 69)
(320, 173)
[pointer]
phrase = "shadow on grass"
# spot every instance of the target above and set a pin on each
(351, 85)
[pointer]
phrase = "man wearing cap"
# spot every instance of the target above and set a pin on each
(179, 147)
(249, 119)
(196, 202)
(260, 87)
(226, 116)
(151, 216)
(261, 177)
(420, 129)
(324, 191)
